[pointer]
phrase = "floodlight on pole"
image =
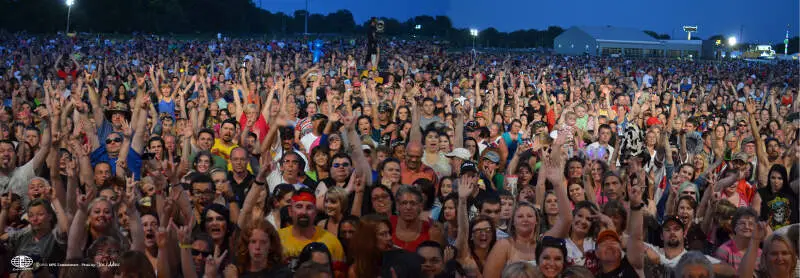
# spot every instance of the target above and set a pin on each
(732, 41)
(474, 33)
(689, 30)
(418, 26)
(69, 11)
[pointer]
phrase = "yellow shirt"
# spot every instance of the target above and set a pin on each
(221, 150)
(293, 246)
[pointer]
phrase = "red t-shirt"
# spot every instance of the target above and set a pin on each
(410, 246)
(260, 128)
(63, 74)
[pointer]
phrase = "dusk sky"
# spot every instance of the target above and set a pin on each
(762, 21)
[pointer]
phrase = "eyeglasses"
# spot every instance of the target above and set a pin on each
(337, 165)
(196, 252)
(115, 139)
(482, 230)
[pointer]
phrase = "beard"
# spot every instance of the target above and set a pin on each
(673, 243)
(303, 221)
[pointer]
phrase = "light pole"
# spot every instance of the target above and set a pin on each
(69, 10)
(731, 45)
(474, 33)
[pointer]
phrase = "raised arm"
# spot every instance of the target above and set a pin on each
(77, 231)
(360, 162)
(44, 147)
(124, 150)
(747, 266)
(137, 142)
(415, 134)
(459, 128)
(250, 201)
(136, 229)
(554, 171)
(357, 183)
(465, 187)
(184, 234)
(761, 150)
(635, 223)
(97, 106)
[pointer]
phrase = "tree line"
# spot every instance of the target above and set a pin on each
(237, 17)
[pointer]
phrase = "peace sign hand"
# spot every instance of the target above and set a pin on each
(213, 262)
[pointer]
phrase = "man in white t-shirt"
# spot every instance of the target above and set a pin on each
(603, 139)
(318, 121)
(672, 233)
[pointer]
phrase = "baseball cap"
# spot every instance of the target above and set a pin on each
(748, 140)
(318, 117)
(492, 156)
(385, 107)
(468, 166)
(460, 153)
(653, 121)
(472, 125)
(607, 235)
(673, 218)
(740, 156)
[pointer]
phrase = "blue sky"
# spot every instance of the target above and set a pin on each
(761, 21)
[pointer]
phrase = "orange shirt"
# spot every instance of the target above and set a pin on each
(409, 176)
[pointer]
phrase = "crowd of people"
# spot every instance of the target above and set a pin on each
(155, 157)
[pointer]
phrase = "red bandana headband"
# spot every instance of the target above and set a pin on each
(304, 197)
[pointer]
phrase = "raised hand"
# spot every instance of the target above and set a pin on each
(213, 261)
(84, 199)
(466, 185)
(635, 195)
(750, 106)
(162, 236)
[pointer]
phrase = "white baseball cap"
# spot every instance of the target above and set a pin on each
(460, 153)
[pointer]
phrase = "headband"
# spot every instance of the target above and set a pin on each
(304, 197)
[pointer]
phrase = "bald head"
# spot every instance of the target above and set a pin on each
(239, 160)
(413, 155)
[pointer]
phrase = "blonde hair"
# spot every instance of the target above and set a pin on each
(521, 270)
(766, 248)
(251, 107)
(339, 194)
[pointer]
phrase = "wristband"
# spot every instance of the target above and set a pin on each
(637, 208)
(185, 246)
(261, 183)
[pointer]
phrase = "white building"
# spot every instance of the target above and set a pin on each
(625, 42)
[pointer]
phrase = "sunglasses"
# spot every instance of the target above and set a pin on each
(337, 165)
(115, 139)
(196, 252)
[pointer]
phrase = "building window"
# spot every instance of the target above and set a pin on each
(633, 52)
(692, 53)
(611, 51)
(674, 53)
